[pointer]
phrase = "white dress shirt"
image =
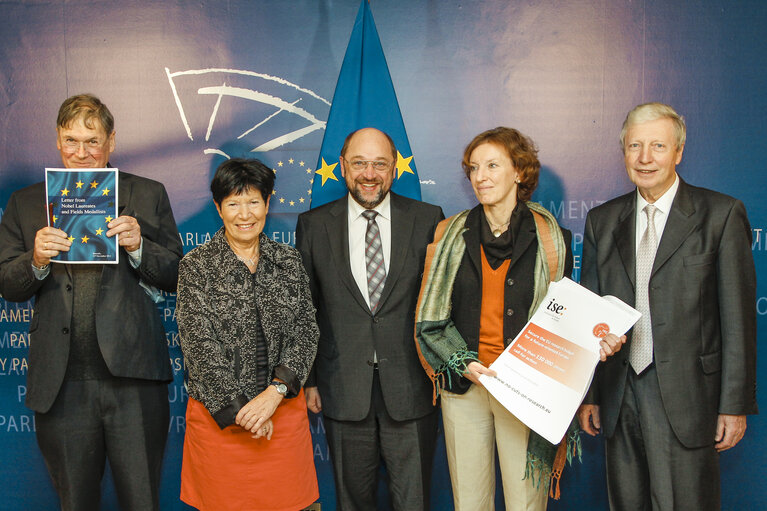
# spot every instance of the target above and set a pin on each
(662, 205)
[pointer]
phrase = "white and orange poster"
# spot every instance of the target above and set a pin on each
(544, 373)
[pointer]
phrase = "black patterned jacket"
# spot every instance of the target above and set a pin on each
(219, 305)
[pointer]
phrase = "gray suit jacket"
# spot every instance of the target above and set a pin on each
(349, 333)
(128, 326)
(702, 302)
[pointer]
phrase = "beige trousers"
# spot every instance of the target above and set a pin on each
(475, 422)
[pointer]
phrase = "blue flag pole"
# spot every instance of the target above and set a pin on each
(364, 97)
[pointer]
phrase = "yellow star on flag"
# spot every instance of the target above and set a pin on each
(282, 200)
(326, 171)
(291, 161)
(55, 218)
(99, 231)
(71, 239)
(403, 165)
(84, 239)
(65, 192)
(79, 184)
(107, 190)
(94, 184)
(108, 218)
(292, 203)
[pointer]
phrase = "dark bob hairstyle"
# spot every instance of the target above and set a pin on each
(237, 175)
(521, 151)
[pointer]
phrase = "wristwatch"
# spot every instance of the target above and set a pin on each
(281, 387)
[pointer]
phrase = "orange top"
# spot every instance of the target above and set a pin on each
(491, 317)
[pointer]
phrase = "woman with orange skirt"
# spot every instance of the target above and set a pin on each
(249, 337)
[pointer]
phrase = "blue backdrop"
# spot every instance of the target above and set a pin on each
(189, 83)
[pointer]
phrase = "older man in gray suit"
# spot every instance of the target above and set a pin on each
(680, 391)
(364, 255)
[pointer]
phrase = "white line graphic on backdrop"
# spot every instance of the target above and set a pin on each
(225, 90)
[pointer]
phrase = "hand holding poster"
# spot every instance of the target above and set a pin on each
(81, 202)
(544, 373)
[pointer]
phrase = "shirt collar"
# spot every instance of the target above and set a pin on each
(383, 209)
(663, 204)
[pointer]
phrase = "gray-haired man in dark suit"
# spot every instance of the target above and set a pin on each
(680, 390)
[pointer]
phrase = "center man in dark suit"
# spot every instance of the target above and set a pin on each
(680, 391)
(364, 254)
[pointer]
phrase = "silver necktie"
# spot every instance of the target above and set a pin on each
(641, 341)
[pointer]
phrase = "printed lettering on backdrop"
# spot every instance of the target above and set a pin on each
(194, 84)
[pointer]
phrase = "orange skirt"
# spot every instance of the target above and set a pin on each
(229, 470)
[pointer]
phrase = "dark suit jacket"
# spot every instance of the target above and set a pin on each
(702, 303)
(349, 333)
(128, 327)
(518, 292)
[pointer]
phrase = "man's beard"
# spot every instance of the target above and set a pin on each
(368, 204)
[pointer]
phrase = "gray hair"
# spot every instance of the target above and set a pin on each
(652, 112)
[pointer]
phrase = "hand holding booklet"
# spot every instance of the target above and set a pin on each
(544, 373)
(82, 202)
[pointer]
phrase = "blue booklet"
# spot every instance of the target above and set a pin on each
(81, 202)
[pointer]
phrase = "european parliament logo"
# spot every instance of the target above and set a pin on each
(241, 113)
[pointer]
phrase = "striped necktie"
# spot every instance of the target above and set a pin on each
(374, 260)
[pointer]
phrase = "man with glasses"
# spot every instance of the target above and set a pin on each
(98, 360)
(364, 254)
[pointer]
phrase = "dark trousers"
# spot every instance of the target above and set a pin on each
(647, 467)
(120, 419)
(405, 447)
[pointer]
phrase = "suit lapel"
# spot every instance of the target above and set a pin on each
(625, 237)
(124, 192)
(401, 232)
(337, 229)
(679, 226)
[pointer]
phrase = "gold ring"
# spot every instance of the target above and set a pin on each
(45, 247)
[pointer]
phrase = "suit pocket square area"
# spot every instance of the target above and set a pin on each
(700, 259)
(711, 362)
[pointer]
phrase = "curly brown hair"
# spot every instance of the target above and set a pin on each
(521, 150)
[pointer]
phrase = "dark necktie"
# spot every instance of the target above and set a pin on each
(374, 261)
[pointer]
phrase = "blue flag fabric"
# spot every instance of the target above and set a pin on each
(364, 97)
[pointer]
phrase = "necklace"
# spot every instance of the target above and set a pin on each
(496, 228)
(250, 261)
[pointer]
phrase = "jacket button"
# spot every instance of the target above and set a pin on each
(375, 319)
(509, 340)
(625, 362)
(65, 330)
(509, 312)
(509, 282)
(69, 287)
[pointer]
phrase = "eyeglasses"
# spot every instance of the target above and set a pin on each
(378, 165)
(71, 146)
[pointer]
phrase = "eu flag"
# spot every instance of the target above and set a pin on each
(364, 97)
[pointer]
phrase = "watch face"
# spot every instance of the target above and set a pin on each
(281, 388)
